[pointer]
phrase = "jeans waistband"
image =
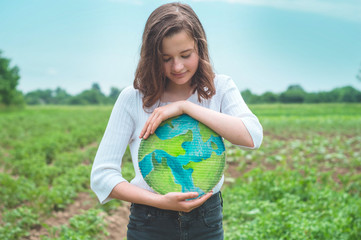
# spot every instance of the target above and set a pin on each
(214, 200)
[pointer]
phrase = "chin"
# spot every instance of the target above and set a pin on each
(181, 82)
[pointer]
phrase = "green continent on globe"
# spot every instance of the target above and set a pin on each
(161, 178)
(172, 146)
(206, 132)
(183, 155)
(206, 171)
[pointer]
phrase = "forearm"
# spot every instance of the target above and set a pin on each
(171, 201)
(229, 127)
(131, 193)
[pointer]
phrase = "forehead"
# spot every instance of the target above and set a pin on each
(177, 43)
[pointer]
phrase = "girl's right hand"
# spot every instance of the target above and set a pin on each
(159, 115)
(178, 201)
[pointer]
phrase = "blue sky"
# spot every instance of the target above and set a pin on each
(264, 45)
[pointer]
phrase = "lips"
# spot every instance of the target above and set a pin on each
(179, 75)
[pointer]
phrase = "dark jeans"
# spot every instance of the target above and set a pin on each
(202, 223)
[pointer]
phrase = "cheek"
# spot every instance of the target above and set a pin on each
(194, 62)
(166, 67)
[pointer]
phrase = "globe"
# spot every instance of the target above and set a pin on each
(183, 155)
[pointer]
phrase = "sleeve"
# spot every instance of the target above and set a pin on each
(233, 104)
(106, 170)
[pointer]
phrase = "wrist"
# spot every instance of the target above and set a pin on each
(157, 200)
(184, 106)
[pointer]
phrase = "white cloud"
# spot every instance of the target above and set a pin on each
(348, 9)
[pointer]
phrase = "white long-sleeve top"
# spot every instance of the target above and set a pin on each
(128, 118)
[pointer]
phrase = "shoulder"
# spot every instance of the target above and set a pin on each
(129, 93)
(129, 97)
(222, 78)
(223, 83)
(128, 105)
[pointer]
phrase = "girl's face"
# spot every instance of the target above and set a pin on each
(180, 58)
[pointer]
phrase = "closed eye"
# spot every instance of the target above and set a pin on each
(187, 53)
(168, 59)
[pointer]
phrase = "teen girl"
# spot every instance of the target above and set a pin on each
(173, 77)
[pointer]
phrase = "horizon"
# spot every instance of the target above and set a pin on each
(263, 45)
(106, 93)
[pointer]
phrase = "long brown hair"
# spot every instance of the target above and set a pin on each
(166, 20)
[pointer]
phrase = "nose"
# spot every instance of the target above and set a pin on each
(177, 66)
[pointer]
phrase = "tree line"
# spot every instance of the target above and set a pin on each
(296, 94)
(293, 94)
(10, 96)
(92, 96)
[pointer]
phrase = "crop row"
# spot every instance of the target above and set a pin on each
(46, 156)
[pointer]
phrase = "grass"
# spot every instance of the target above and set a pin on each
(303, 183)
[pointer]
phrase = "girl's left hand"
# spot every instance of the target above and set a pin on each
(159, 115)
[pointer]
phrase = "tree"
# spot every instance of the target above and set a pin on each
(9, 79)
(39, 97)
(91, 96)
(96, 87)
(113, 95)
(249, 97)
(347, 94)
(294, 94)
(269, 97)
(61, 96)
(358, 76)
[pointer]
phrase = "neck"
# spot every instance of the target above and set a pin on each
(175, 92)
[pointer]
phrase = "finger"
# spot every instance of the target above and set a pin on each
(147, 133)
(143, 131)
(198, 202)
(188, 195)
(206, 196)
(146, 128)
(155, 125)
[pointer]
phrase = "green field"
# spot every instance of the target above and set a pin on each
(303, 183)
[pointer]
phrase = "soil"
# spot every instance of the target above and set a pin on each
(116, 222)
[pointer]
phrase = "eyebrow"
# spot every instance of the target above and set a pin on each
(184, 51)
